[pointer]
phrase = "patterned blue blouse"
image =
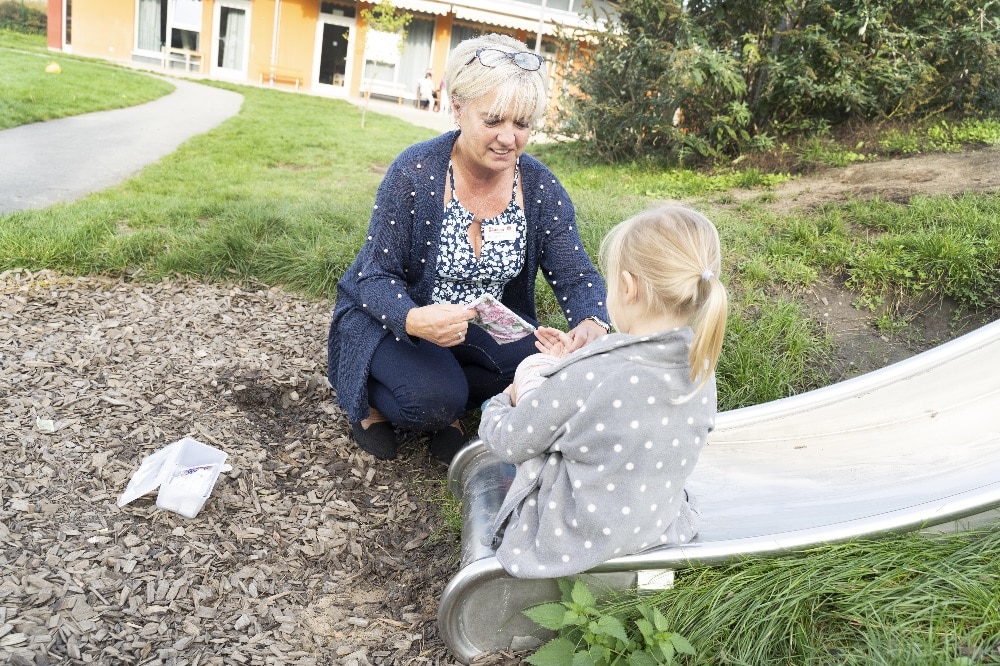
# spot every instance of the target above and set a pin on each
(461, 276)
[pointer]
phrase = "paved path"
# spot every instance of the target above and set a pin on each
(62, 160)
(441, 122)
(59, 161)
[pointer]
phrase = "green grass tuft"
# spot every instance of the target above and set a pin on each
(900, 600)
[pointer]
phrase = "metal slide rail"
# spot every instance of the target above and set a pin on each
(910, 446)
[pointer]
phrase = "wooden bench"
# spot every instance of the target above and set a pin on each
(172, 56)
(387, 89)
(273, 73)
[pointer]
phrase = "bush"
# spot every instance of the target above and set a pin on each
(23, 18)
(682, 78)
(654, 88)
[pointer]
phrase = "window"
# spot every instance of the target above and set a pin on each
(417, 52)
(232, 38)
(180, 19)
(185, 25)
(184, 39)
(68, 22)
(413, 60)
(460, 33)
(151, 25)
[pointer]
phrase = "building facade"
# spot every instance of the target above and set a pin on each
(320, 46)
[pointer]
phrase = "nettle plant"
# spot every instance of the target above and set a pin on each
(590, 634)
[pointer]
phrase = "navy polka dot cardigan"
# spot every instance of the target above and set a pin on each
(395, 268)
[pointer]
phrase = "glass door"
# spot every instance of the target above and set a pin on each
(332, 60)
(231, 39)
(67, 41)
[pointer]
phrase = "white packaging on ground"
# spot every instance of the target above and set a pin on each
(185, 471)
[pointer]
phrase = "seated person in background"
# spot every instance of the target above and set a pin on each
(425, 90)
(604, 438)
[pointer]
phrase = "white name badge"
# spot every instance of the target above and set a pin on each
(499, 232)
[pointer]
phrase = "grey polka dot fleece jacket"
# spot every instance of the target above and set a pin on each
(602, 455)
(395, 268)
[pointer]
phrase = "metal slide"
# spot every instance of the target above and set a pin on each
(909, 446)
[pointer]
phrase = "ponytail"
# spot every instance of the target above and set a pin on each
(709, 325)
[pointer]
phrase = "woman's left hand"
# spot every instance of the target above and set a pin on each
(586, 331)
(552, 341)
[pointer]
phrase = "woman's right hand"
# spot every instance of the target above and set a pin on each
(443, 324)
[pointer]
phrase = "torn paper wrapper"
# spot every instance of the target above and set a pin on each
(185, 472)
(499, 321)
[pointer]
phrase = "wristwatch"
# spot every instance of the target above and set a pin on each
(600, 322)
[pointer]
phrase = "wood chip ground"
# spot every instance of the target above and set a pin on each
(308, 552)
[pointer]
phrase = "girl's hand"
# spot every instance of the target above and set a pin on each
(443, 324)
(552, 341)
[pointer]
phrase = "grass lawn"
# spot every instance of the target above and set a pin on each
(29, 94)
(281, 195)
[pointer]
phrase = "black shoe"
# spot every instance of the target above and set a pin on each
(377, 439)
(445, 443)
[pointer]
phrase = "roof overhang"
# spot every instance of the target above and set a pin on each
(512, 15)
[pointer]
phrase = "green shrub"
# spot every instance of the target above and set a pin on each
(699, 79)
(23, 18)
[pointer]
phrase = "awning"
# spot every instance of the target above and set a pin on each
(423, 6)
(554, 17)
(502, 20)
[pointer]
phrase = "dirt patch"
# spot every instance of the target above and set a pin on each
(307, 552)
(857, 346)
(973, 171)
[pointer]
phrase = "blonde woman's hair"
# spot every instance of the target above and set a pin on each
(518, 89)
(673, 254)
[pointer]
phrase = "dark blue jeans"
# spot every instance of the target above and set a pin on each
(426, 387)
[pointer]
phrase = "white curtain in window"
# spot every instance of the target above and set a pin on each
(231, 48)
(380, 71)
(417, 52)
(149, 27)
(460, 33)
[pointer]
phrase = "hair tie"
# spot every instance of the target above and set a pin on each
(707, 275)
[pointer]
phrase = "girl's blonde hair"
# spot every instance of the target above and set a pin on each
(519, 90)
(673, 254)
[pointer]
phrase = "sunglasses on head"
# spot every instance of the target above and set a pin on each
(493, 57)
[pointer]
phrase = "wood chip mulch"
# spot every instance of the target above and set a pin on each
(308, 552)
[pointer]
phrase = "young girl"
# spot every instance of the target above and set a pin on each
(604, 438)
